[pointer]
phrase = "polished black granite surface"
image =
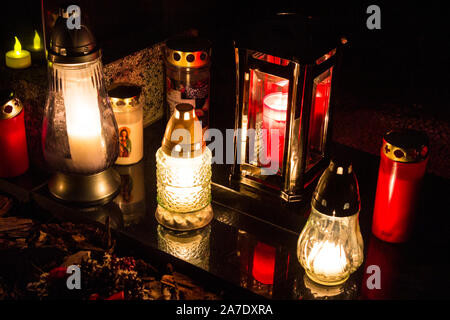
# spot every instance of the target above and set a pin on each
(249, 249)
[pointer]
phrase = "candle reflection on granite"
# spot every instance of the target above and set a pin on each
(262, 266)
(131, 197)
(101, 214)
(190, 246)
(386, 257)
(309, 290)
(264, 263)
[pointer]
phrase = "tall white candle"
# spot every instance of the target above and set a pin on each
(87, 147)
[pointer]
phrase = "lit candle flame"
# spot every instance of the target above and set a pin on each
(36, 41)
(17, 46)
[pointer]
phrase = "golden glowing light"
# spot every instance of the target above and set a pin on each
(36, 41)
(17, 46)
(18, 58)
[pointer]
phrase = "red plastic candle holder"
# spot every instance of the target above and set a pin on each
(404, 156)
(13, 143)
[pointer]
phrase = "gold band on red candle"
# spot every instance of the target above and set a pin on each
(405, 145)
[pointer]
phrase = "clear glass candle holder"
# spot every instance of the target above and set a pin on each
(330, 248)
(183, 173)
(183, 184)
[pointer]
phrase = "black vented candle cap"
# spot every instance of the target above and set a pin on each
(337, 193)
(71, 45)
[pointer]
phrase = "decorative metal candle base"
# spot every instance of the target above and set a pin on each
(93, 189)
(184, 221)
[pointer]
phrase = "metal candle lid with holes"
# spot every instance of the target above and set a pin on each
(124, 96)
(10, 105)
(183, 137)
(337, 193)
(406, 145)
(188, 52)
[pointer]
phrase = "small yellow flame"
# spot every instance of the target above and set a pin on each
(36, 41)
(17, 46)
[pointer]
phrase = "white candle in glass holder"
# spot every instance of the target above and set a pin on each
(87, 148)
(129, 116)
(328, 259)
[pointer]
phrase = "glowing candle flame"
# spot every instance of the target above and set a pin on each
(36, 41)
(17, 46)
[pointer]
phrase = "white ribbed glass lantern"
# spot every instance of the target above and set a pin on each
(79, 131)
(330, 246)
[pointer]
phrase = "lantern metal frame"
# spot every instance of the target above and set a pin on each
(300, 69)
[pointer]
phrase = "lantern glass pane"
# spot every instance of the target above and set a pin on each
(271, 59)
(266, 119)
(319, 117)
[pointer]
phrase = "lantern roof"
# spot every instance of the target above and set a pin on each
(291, 36)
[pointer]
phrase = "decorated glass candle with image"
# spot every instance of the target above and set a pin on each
(188, 62)
(129, 116)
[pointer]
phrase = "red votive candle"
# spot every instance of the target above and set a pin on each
(404, 156)
(13, 143)
(264, 263)
(274, 121)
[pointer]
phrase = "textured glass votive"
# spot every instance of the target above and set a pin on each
(184, 184)
(183, 191)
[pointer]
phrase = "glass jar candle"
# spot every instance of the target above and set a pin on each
(129, 116)
(183, 173)
(330, 246)
(188, 62)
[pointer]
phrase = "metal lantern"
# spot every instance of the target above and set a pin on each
(286, 68)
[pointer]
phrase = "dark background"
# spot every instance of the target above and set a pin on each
(405, 62)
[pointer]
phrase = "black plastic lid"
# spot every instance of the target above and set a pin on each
(72, 45)
(337, 193)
